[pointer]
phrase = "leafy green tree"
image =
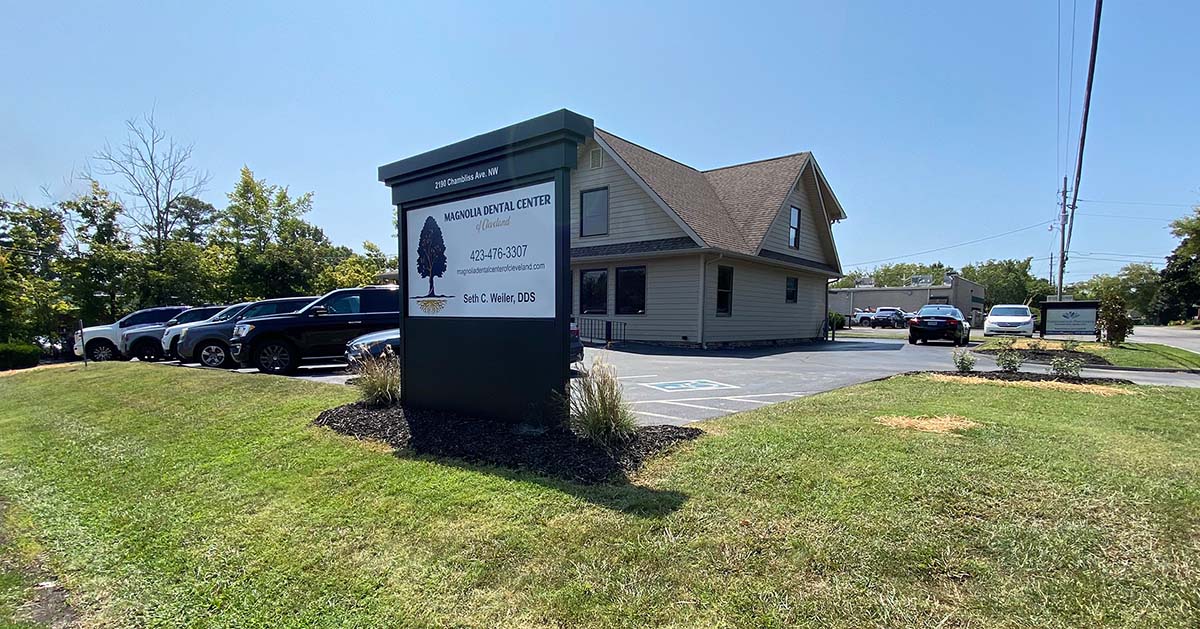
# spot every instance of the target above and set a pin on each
(1008, 281)
(31, 300)
(100, 273)
(898, 274)
(275, 252)
(1136, 284)
(196, 219)
(1179, 285)
(355, 270)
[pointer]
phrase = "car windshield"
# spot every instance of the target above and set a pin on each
(199, 314)
(943, 311)
(1010, 311)
(229, 312)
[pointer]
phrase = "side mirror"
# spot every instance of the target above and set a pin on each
(122, 324)
(318, 310)
(172, 322)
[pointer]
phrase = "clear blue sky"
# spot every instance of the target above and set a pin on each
(935, 122)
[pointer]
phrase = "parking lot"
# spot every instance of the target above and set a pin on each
(678, 386)
(675, 386)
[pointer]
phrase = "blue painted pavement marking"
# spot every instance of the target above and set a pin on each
(688, 385)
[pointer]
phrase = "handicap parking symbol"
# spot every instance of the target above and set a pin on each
(689, 385)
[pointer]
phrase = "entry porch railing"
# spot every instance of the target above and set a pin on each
(600, 330)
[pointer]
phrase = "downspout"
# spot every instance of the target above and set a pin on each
(703, 284)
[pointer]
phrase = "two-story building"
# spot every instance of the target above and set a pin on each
(670, 254)
(740, 254)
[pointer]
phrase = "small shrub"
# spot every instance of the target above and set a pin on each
(378, 379)
(964, 361)
(837, 321)
(1070, 345)
(1010, 360)
(1113, 319)
(598, 409)
(1006, 343)
(1036, 345)
(18, 356)
(1065, 366)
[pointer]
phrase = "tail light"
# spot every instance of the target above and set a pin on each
(915, 321)
(575, 330)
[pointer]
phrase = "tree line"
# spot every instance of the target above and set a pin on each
(148, 239)
(1171, 294)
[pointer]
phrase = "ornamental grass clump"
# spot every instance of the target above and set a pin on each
(1070, 345)
(378, 378)
(964, 361)
(598, 411)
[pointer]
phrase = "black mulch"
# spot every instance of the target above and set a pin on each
(556, 452)
(1024, 376)
(1045, 355)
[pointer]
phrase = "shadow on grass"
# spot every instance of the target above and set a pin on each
(1174, 358)
(552, 457)
(617, 494)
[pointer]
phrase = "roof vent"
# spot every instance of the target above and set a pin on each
(597, 158)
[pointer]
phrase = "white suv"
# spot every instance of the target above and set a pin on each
(1009, 319)
(100, 342)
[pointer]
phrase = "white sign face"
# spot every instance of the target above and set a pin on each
(1071, 320)
(488, 256)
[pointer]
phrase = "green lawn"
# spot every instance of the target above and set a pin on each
(166, 496)
(1123, 355)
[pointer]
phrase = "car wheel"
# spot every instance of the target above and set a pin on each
(174, 350)
(147, 351)
(213, 354)
(912, 340)
(276, 357)
(101, 351)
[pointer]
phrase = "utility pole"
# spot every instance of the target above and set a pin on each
(1087, 102)
(1062, 239)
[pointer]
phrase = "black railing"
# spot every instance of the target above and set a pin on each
(601, 330)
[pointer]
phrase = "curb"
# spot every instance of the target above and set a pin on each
(1106, 367)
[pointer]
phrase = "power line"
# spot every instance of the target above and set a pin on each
(1136, 218)
(1183, 205)
(961, 244)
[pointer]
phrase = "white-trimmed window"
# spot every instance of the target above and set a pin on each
(794, 228)
(593, 212)
(596, 158)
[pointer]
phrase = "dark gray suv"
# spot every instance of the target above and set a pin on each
(208, 343)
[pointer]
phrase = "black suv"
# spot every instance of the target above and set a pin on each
(278, 343)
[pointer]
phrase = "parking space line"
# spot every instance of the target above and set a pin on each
(677, 419)
(653, 375)
(734, 399)
(722, 397)
(707, 408)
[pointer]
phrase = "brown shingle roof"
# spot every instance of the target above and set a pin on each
(686, 191)
(754, 192)
(729, 208)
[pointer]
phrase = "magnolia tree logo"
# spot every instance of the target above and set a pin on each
(431, 263)
(1071, 314)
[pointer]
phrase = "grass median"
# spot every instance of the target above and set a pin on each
(1124, 355)
(168, 496)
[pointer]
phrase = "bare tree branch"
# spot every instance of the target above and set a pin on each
(155, 172)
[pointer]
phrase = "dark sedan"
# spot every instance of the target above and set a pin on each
(375, 343)
(944, 323)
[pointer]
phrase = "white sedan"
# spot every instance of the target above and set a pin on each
(1009, 320)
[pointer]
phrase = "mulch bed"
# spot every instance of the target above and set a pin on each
(1045, 355)
(556, 452)
(1024, 376)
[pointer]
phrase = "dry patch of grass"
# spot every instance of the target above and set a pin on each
(1102, 390)
(926, 423)
(13, 372)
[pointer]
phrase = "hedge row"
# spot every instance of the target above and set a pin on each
(18, 356)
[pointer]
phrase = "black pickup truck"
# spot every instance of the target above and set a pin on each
(277, 344)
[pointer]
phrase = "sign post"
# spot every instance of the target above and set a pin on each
(485, 269)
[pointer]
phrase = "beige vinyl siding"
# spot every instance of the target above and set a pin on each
(760, 311)
(813, 242)
(672, 294)
(632, 214)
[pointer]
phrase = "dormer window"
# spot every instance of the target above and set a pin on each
(794, 228)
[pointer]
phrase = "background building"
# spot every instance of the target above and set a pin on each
(961, 293)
